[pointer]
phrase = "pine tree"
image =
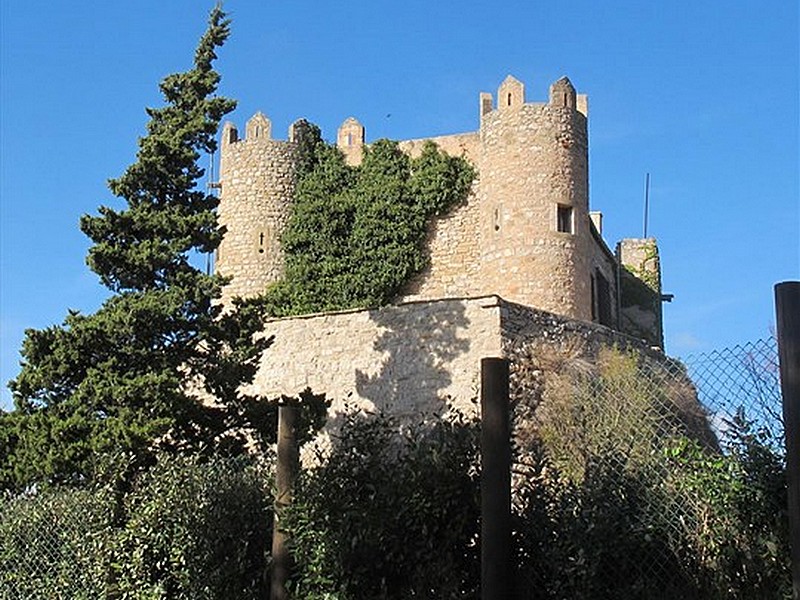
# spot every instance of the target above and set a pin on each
(133, 378)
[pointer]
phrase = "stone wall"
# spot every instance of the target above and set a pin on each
(406, 359)
(418, 357)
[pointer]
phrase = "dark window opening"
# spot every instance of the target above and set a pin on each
(509, 99)
(564, 219)
(261, 243)
(601, 311)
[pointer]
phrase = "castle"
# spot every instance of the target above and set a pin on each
(524, 244)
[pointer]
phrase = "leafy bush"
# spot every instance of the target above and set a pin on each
(392, 512)
(188, 530)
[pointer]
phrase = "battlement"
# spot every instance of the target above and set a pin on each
(524, 233)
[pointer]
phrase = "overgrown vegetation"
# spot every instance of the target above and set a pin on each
(624, 492)
(357, 234)
(194, 531)
(392, 512)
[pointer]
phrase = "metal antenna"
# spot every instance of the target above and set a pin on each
(212, 186)
(646, 202)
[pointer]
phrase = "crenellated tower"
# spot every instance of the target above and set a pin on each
(257, 178)
(534, 195)
(525, 232)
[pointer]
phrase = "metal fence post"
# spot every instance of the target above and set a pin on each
(787, 310)
(496, 571)
(285, 474)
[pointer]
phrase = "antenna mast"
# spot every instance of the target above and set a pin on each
(646, 202)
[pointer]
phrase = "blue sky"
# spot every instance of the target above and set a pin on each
(702, 95)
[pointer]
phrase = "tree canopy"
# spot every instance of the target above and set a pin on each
(135, 376)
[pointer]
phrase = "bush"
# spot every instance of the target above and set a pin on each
(187, 530)
(55, 544)
(391, 513)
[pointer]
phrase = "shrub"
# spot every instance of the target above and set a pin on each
(392, 512)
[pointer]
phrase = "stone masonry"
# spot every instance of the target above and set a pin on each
(525, 232)
(524, 243)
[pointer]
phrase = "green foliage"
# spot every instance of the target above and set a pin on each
(735, 511)
(356, 235)
(196, 531)
(626, 495)
(132, 376)
(193, 530)
(51, 545)
(391, 513)
(621, 406)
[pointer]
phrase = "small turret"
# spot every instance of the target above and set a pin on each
(510, 94)
(258, 127)
(230, 135)
(350, 140)
(562, 94)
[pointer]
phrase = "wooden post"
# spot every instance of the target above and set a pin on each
(496, 571)
(285, 474)
(787, 310)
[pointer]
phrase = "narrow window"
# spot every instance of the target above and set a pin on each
(603, 299)
(261, 243)
(509, 99)
(564, 219)
(497, 219)
(258, 131)
(349, 139)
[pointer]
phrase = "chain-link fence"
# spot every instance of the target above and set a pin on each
(744, 379)
(635, 477)
(648, 478)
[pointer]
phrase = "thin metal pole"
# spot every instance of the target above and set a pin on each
(646, 202)
(787, 311)
(496, 571)
(285, 475)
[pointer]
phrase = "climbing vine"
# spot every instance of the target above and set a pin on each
(357, 234)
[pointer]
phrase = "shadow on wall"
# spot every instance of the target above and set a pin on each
(419, 352)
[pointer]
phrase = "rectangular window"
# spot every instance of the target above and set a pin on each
(564, 219)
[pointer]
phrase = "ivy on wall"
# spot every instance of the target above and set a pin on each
(357, 234)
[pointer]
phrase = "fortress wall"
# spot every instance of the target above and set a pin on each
(404, 359)
(416, 358)
(452, 243)
(257, 177)
(459, 144)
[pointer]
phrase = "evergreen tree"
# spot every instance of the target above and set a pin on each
(115, 386)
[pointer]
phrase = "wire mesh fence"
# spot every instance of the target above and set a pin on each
(633, 478)
(744, 378)
(648, 478)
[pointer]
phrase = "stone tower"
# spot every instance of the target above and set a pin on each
(534, 191)
(525, 233)
(257, 177)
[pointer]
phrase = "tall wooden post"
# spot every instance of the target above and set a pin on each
(787, 310)
(285, 474)
(496, 571)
